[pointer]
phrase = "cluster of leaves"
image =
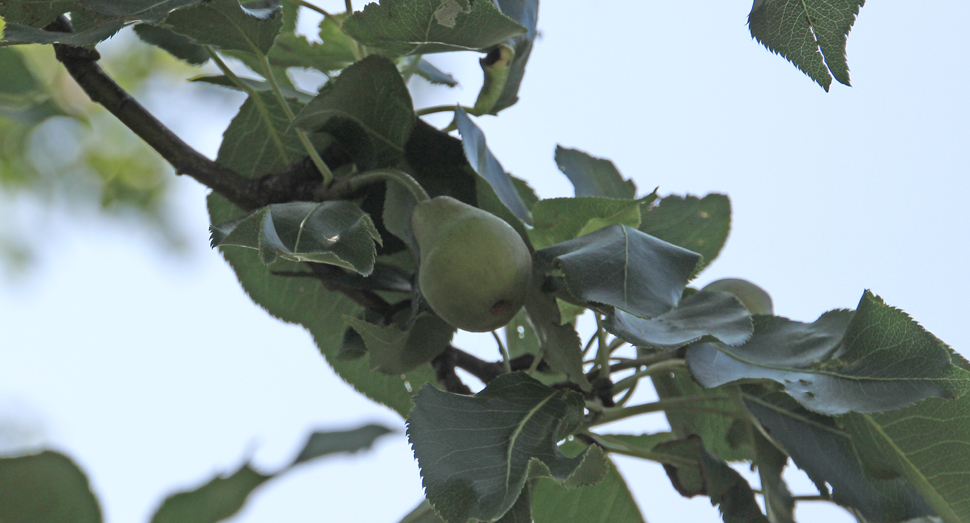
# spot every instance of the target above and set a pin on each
(866, 402)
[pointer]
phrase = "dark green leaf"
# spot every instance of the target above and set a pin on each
(368, 108)
(229, 26)
(394, 351)
(559, 344)
(45, 488)
(334, 232)
(874, 360)
(705, 313)
(437, 161)
(248, 149)
(409, 27)
(593, 176)
(257, 85)
(476, 452)
(639, 446)
(525, 12)
(608, 501)
(346, 441)
(521, 512)
(526, 192)
(826, 454)
(712, 477)
(811, 34)
(622, 267)
(24, 34)
(179, 46)
(926, 444)
(215, 501)
(486, 165)
(495, 66)
(429, 72)
(35, 13)
(699, 225)
(520, 336)
(556, 220)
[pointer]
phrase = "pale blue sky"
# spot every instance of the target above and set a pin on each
(155, 371)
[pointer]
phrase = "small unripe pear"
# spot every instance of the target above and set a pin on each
(754, 298)
(475, 269)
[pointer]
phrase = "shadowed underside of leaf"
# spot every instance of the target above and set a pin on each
(811, 34)
(826, 454)
(622, 267)
(873, 360)
(593, 176)
(476, 452)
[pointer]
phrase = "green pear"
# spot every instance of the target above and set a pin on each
(753, 297)
(475, 270)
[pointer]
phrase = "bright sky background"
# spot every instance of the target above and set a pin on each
(155, 371)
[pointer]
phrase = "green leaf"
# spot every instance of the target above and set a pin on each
(406, 27)
(608, 501)
(559, 344)
(248, 149)
(476, 452)
(525, 12)
(874, 360)
(622, 267)
(705, 313)
(179, 46)
(45, 488)
(335, 51)
(593, 176)
(811, 34)
(394, 351)
(487, 166)
(334, 232)
(754, 298)
(257, 85)
(699, 225)
(217, 500)
(771, 462)
(94, 20)
(423, 513)
(429, 72)
(639, 446)
(227, 25)
(712, 477)
(24, 99)
(495, 66)
(438, 163)
(925, 443)
(368, 109)
(222, 497)
(556, 220)
(725, 436)
(826, 454)
(346, 441)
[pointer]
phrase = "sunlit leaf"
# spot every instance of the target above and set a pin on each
(556, 220)
(593, 176)
(873, 360)
(476, 452)
(700, 225)
(228, 25)
(431, 26)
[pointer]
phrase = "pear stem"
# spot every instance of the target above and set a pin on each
(385, 175)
